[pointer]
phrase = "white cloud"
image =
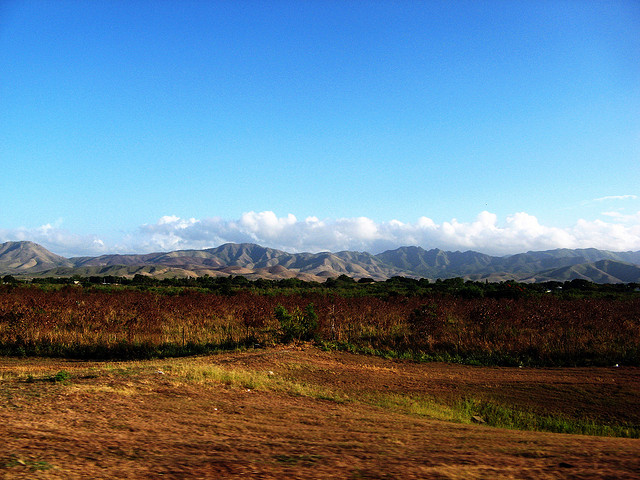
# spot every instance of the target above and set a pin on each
(633, 218)
(266, 224)
(518, 232)
(58, 240)
(615, 197)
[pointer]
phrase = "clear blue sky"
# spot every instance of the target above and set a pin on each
(115, 114)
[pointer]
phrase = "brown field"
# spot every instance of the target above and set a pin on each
(74, 322)
(298, 412)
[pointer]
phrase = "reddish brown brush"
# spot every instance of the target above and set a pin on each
(534, 330)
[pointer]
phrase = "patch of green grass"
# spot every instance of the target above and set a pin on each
(506, 417)
(33, 465)
(61, 377)
(492, 414)
(420, 406)
(251, 380)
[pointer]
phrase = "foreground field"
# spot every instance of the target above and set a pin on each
(298, 412)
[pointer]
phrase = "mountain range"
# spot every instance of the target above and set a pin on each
(28, 259)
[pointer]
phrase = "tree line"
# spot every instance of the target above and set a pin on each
(347, 286)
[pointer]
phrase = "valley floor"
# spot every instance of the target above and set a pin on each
(300, 413)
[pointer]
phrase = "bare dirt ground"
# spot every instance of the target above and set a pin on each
(144, 420)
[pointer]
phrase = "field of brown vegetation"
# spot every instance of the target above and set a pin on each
(184, 383)
(300, 412)
(128, 323)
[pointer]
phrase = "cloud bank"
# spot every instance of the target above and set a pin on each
(519, 232)
(58, 240)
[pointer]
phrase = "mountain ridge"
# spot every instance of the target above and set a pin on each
(29, 259)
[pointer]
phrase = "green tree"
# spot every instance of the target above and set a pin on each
(297, 325)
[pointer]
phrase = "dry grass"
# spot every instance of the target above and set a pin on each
(272, 414)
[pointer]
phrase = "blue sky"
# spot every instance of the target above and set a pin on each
(486, 125)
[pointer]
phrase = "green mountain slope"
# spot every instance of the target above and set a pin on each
(436, 263)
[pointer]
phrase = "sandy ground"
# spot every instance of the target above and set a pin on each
(140, 420)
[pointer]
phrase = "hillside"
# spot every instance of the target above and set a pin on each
(255, 261)
(28, 257)
(437, 263)
(603, 271)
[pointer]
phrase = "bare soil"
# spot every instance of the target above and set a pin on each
(137, 420)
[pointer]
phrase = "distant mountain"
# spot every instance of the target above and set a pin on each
(436, 263)
(252, 261)
(255, 261)
(532, 262)
(603, 271)
(28, 257)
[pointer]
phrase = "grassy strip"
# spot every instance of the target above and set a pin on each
(118, 351)
(146, 351)
(472, 410)
(484, 359)
(266, 381)
(424, 407)
(505, 417)
(464, 411)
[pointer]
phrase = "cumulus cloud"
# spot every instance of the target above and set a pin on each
(518, 232)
